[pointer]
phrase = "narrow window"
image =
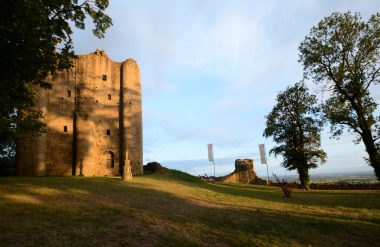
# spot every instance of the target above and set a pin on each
(108, 132)
(64, 128)
(61, 103)
(111, 160)
(109, 96)
(104, 77)
(68, 93)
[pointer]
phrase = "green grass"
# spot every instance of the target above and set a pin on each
(175, 209)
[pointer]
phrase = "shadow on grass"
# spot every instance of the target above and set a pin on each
(107, 212)
(361, 199)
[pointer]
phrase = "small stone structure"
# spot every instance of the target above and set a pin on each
(244, 173)
(93, 120)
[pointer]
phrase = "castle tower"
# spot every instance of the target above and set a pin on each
(132, 118)
(87, 112)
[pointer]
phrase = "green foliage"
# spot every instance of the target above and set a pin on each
(182, 176)
(342, 53)
(35, 41)
(7, 167)
(295, 125)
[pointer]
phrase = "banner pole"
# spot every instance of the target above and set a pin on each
(214, 168)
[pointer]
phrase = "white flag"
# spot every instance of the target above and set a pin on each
(210, 152)
(263, 156)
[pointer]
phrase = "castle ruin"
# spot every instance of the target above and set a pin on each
(93, 118)
(244, 173)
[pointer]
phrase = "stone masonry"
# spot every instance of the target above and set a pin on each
(244, 173)
(93, 116)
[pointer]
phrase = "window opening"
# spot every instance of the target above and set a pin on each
(108, 132)
(104, 77)
(109, 97)
(68, 93)
(64, 128)
(61, 103)
(111, 160)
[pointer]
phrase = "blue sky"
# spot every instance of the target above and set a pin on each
(211, 71)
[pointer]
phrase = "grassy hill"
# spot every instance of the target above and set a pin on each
(176, 209)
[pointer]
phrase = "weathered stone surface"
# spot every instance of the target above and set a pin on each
(244, 173)
(93, 115)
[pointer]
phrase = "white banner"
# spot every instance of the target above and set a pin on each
(210, 152)
(263, 156)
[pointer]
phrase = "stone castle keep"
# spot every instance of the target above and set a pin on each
(93, 119)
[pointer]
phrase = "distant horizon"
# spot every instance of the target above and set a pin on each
(224, 166)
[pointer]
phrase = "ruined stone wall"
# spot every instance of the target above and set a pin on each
(59, 117)
(97, 120)
(244, 173)
(82, 117)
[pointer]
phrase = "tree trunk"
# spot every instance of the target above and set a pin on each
(374, 156)
(304, 178)
(369, 142)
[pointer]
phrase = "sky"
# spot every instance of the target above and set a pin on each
(210, 72)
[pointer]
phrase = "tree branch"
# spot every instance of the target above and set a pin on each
(372, 78)
(63, 11)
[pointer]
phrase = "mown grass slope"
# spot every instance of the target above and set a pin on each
(176, 209)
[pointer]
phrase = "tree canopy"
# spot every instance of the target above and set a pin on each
(295, 126)
(36, 40)
(342, 54)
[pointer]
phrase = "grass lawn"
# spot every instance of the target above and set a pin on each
(176, 209)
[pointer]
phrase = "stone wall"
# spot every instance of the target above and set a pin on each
(83, 116)
(244, 173)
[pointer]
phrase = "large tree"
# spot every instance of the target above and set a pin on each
(35, 40)
(342, 54)
(295, 125)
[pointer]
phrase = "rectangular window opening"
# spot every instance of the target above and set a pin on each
(64, 128)
(109, 97)
(68, 93)
(108, 132)
(104, 77)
